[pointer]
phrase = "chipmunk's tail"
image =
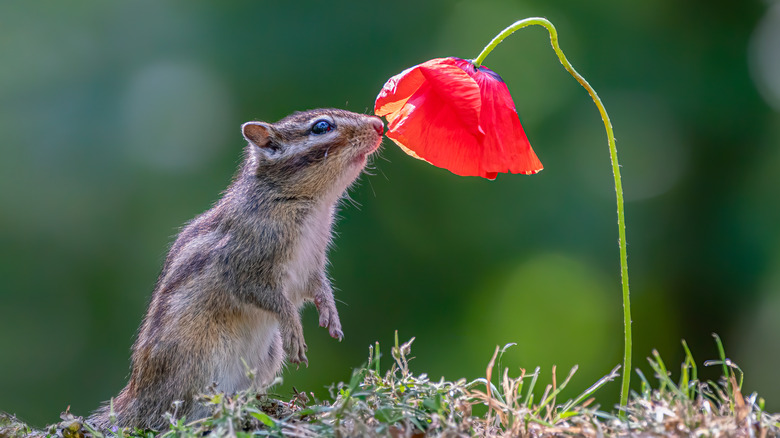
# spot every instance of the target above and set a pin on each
(101, 418)
(113, 413)
(125, 410)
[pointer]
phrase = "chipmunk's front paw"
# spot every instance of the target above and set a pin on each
(329, 316)
(294, 344)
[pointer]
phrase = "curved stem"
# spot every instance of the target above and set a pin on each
(615, 171)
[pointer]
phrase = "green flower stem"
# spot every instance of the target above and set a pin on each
(615, 171)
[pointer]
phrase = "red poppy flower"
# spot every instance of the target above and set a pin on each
(454, 115)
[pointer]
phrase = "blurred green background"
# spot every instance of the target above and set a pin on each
(120, 121)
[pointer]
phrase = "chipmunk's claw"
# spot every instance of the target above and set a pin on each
(329, 316)
(294, 344)
(336, 333)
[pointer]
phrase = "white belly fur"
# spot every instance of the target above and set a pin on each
(250, 349)
(308, 256)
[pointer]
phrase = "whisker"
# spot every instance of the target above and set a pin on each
(349, 199)
(382, 157)
(370, 184)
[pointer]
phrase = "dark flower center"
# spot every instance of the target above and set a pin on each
(490, 73)
(474, 69)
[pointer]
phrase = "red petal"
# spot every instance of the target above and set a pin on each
(397, 91)
(506, 147)
(430, 128)
(458, 90)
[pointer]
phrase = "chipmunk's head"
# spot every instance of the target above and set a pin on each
(314, 152)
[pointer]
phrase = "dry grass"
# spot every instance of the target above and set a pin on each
(398, 403)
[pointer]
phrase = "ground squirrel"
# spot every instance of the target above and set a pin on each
(236, 276)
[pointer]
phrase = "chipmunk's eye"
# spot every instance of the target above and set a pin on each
(321, 127)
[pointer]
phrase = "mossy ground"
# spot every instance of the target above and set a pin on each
(398, 403)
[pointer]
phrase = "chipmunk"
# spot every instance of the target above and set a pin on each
(236, 276)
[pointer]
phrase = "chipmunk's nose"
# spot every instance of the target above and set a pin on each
(379, 127)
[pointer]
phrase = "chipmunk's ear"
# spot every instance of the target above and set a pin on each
(260, 134)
